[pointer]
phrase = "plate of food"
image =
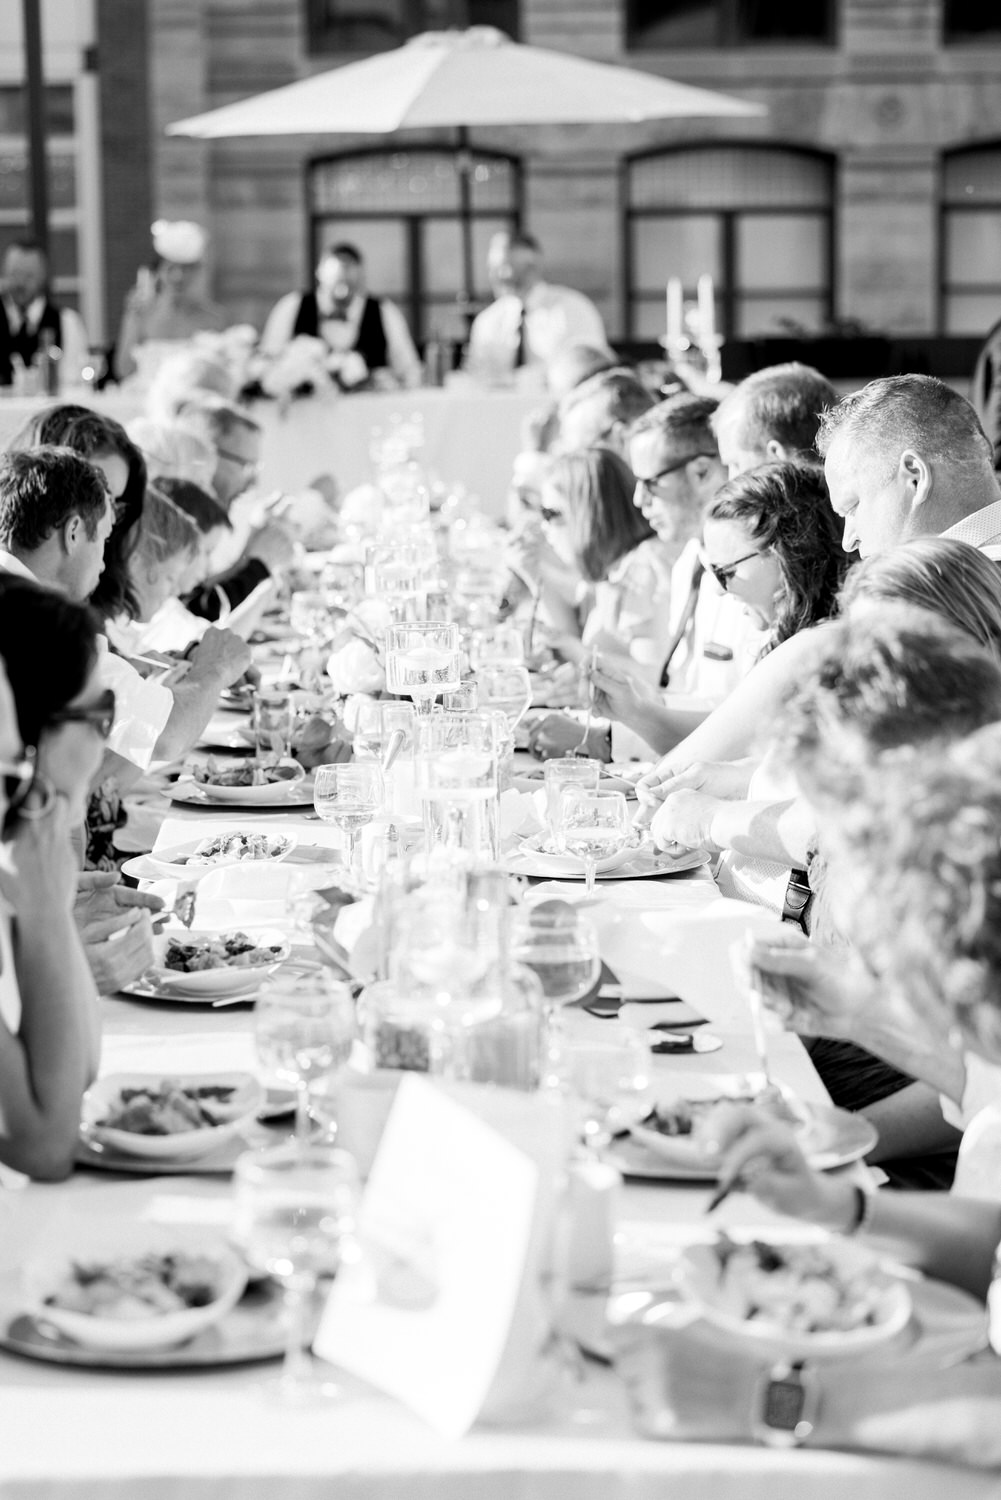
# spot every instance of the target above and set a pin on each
(210, 964)
(145, 1289)
(535, 856)
(810, 1298)
(239, 698)
(233, 848)
(666, 1142)
(181, 1117)
(249, 783)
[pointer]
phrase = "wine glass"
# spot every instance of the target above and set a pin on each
(505, 686)
(496, 645)
(294, 1217)
(561, 949)
(593, 826)
(557, 776)
(304, 1026)
(608, 1074)
(423, 660)
(349, 795)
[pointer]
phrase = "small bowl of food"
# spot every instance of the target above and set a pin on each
(183, 1117)
(540, 851)
(216, 963)
(814, 1297)
(144, 1289)
(234, 848)
(247, 782)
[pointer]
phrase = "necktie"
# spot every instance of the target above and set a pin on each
(521, 351)
(684, 620)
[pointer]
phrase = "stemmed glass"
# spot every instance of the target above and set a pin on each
(505, 686)
(304, 1027)
(423, 660)
(294, 1218)
(608, 1074)
(349, 795)
(557, 776)
(561, 949)
(593, 826)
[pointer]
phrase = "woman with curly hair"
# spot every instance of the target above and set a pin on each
(106, 444)
(772, 540)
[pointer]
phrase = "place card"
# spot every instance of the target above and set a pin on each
(445, 1306)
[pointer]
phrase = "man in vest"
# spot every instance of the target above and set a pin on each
(29, 319)
(349, 321)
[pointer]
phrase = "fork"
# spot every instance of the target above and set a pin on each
(581, 747)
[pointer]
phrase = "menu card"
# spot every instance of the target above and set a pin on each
(455, 1246)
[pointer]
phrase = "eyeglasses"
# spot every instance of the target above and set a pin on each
(248, 465)
(724, 573)
(100, 715)
(19, 778)
(650, 482)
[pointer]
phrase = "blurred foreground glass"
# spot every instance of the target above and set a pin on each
(593, 826)
(561, 949)
(422, 660)
(304, 1027)
(294, 1218)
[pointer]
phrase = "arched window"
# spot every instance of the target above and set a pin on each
(401, 207)
(759, 219)
(971, 240)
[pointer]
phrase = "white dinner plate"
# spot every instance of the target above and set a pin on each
(145, 988)
(231, 1114)
(183, 860)
(227, 979)
(632, 864)
(282, 790)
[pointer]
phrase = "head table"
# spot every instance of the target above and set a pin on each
(76, 1434)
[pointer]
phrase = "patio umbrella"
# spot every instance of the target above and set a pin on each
(461, 79)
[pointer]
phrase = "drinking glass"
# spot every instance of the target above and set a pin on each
(304, 1026)
(497, 644)
(273, 723)
(608, 1074)
(349, 795)
(558, 776)
(459, 784)
(593, 826)
(294, 1216)
(561, 949)
(422, 660)
(506, 687)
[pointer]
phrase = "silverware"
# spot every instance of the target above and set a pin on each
(581, 747)
(393, 748)
(722, 1193)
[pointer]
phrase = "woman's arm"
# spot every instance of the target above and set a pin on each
(47, 1065)
(220, 659)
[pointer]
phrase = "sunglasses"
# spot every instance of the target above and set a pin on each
(650, 482)
(724, 574)
(100, 715)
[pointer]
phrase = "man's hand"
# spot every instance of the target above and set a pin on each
(725, 779)
(221, 654)
(558, 735)
(814, 991)
(272, 545)
(100, 896)
(762, 1156)
(685, 821)
(121, 956)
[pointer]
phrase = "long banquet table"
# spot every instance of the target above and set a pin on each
(71, 1434)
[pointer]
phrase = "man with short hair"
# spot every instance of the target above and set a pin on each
(601, 410)
(55, 517)
(530, 320)
(772, 415)
(29, 317)
(340, 311)
(906, 456)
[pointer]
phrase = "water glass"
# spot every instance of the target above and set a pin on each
(609, 1074)
(507, 687)
(593, 826)
(349, 795)
(558, 776)
(273, 723)
(422, 660)
(496, 645)
(294, 1217)
(459, 784)
(561, 949)
(304, 1027)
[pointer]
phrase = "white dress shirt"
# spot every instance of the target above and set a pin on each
(340, 334)
(555, 317)
(74, 349)
(982, 530)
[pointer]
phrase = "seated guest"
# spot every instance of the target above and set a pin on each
(530, 321)
(350, 321)
(602, 409)
(168, 302)
(49, 1026)
(166, 549)
(771, 415)
(29, 316)
(253, 552)
(173, 451)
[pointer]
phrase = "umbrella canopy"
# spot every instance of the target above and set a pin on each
(460, 78)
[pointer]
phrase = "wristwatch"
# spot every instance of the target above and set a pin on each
(786, 1405)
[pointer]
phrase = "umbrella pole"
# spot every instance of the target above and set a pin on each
(464, 163)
